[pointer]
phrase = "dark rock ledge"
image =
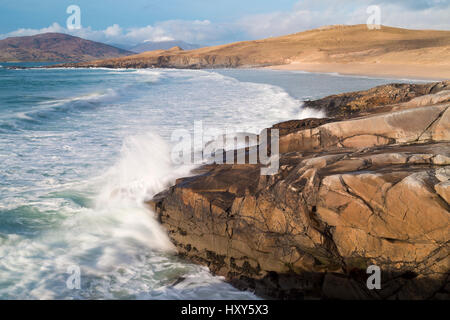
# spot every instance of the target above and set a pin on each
(370, 189)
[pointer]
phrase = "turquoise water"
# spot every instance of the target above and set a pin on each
(81, 149)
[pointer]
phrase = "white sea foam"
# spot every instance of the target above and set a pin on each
(144, 169)
(116, 242)
(76, 181)
(105, 96)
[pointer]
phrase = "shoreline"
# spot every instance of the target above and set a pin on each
(395, 71)
(313, 229)
(407, 72)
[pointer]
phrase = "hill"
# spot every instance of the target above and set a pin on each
(162, 45)
(425, 51)
(55, 47)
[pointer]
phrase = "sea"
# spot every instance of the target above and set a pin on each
(82, 149)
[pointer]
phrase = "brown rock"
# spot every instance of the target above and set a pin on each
(430, 123)
(321, 213)
(367, 191)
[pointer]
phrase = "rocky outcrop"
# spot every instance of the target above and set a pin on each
(373, 190)
(396, 127)
(379, 99)
(166, 59)
(56, 47)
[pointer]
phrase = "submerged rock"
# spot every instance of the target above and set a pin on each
(349, 194)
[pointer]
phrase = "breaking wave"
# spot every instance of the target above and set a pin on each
(77, 164)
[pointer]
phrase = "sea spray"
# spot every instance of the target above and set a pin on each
(143, 169)
(115, 243)
(76, 167)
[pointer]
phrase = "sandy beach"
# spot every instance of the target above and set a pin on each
(354, 50)
(430, 72)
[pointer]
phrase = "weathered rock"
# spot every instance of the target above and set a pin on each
(291, 126)
(336, 212)
(348, 194)
(381, 99)
(429, 123)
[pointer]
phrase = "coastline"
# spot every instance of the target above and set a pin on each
(386, 71)
(335, 207)
(407, 71)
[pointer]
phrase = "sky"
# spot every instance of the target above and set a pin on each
(209, 22)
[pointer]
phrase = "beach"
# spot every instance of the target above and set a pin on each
(395, 71)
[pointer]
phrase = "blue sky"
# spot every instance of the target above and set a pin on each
(209, 22)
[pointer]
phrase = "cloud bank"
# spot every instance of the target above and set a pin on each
(306, 14)
(309, 14)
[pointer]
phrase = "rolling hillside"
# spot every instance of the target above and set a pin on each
(55, 47)
(345, 45)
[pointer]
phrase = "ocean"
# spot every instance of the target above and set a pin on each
(80, 151)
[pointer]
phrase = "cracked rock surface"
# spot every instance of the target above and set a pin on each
(371, 190)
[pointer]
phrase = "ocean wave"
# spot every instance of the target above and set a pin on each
(119, 247)
(77, 68)
(86, 164)
(9, 127)
(143, 169)
(148, 75)
(261, 105)
(57, 108)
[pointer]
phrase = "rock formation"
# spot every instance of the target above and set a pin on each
(365, 190)
(378, 99)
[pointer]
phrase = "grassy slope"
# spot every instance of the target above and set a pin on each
(336, 44)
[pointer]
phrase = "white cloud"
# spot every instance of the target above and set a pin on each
(196, 31)
(113, 31)
(422, 19)
(310, 14)
(306, 14)
(55, 27)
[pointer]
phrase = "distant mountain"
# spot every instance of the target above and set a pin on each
(56, 47)
(162, 45)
